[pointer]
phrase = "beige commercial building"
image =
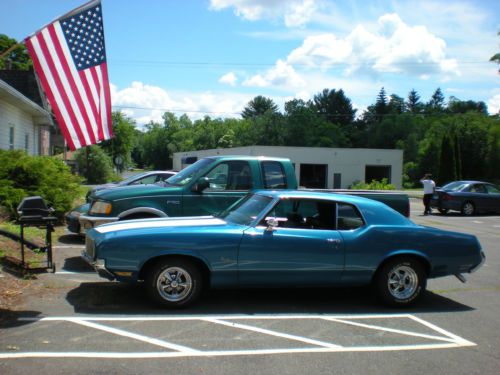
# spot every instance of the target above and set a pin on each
(318, 167)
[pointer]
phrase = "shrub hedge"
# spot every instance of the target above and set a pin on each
(22, 175)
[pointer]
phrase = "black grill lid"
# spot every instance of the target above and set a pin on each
(33, 206)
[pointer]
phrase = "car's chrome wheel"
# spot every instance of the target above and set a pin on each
(468, 208)
(400, 281)
(174, 282)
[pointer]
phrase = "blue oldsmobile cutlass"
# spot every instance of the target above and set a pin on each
(282, 239)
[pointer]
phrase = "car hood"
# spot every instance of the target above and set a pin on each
(121, 192)
(105, 186)
(195, 222)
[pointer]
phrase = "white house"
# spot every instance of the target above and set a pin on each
(24, 124)
(319, 167)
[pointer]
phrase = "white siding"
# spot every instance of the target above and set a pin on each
(23, 124)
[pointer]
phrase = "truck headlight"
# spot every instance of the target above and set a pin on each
(100, 207)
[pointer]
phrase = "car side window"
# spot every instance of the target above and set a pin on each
(304, 214)
(235, 175)
(217, 177)
(273, 175)
(349, 217)
(479, 188)
(492, 189)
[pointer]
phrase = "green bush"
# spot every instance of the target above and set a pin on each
(374, 185)
(22, 175)
(98, 169)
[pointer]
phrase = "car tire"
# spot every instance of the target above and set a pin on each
(468, 209)
(401, 282)
(174, 283)
(443, 211)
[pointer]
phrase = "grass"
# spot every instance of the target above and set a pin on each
(12, 249)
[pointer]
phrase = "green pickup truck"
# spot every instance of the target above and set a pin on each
(205, 188)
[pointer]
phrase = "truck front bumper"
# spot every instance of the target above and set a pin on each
(88, 222)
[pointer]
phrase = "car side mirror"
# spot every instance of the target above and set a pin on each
(201, 184)
(272, 223)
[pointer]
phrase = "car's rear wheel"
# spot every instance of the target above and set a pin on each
(443, 211)
(174, 283)
(468, 208)
(401, 281)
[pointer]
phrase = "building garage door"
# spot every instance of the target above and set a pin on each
(377, 172)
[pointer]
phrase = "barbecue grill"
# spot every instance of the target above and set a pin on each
(33, 212)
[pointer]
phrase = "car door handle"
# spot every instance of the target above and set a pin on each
(334, 241)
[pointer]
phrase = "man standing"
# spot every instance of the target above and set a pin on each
(429, 187)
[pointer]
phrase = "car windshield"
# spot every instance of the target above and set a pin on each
(183, 177)
(246, 209)
(455, 186)
(132, 178)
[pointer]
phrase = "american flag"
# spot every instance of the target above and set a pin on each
(70, 59)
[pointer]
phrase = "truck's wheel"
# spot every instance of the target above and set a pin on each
(401, 281)
(174, 283)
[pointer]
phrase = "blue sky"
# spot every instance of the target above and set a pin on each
(213, 56)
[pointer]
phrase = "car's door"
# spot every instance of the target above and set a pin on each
(228, 182)
(297, 252)
(479, 197)
(493, 197)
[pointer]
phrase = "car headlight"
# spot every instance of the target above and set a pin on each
(100, 207)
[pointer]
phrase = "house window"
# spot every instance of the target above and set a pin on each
(27, 142)
(11, 138)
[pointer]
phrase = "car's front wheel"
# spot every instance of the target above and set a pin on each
(174, 283)
(401, 281)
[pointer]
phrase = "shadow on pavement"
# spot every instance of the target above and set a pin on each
(72, 239)
(118, 298)
(9, 318)
(77, 264)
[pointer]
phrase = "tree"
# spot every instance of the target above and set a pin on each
(447, 163)
(458, 106)
(413, 104)
(258, 106)
(396, 104)
(19, 57)
(335, 107)
(437, 102)
(119, 148)
(381, 105)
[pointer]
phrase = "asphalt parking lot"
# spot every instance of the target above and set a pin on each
(88, 325)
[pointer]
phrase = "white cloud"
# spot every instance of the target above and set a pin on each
(145, 103)
(494, 105)
(281, 75)
(394, 48)
(229, 79)
(295, 13)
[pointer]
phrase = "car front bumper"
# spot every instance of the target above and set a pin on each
(99, 265)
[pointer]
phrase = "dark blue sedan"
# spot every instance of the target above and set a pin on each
(467, 197)
(282, 239)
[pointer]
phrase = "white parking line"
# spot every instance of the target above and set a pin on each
(272, 333)
(149, 340)
(444, 338)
